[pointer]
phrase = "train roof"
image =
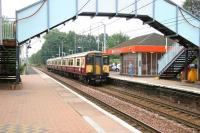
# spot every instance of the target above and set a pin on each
(75, 55)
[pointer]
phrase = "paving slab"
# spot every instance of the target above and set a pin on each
(44, 106)
(153, 81)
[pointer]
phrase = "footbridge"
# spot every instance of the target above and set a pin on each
(163, 15)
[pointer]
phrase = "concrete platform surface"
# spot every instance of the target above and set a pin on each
(44, 106)
(152, 81)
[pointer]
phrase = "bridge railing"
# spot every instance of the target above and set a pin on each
(169, 56)
(8, 29)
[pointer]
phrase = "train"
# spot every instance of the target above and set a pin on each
(91, 67)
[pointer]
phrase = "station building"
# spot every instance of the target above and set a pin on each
(143, 52)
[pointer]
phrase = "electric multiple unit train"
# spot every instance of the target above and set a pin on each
(91, 67)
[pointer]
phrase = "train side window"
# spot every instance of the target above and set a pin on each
(90, 60)
(77, 62)
(71, 62)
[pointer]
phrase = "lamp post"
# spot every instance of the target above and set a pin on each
(98, 42)
(27, 47)
(104, 37)
(62, 49)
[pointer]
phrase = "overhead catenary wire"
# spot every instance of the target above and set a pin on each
(107, 23)
(143, 7)
(124, 9)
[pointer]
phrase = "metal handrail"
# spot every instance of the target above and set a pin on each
(8, 30)
(169, 56)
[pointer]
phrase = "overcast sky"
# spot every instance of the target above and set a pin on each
(132, 27)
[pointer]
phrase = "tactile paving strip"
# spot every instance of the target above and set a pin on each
(18, 128)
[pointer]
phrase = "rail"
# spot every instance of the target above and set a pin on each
(162, 108)
(169, 56)
(126, 117)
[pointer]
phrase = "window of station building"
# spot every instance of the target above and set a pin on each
(127, 59)
(144, 63)
(149, 60)
(154, 64)
(78, 62)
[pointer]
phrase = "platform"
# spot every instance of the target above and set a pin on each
(153, 81)
(43, 105)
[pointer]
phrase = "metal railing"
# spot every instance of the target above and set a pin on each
(8, 29)
(169, 56)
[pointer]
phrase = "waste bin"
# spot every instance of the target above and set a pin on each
(192, 73)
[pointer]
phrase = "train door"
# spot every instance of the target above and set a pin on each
(97, 64)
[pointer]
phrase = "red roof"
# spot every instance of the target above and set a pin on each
(136, 48)
(153, 43)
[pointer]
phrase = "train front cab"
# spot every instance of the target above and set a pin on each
(106, 69)
(94, 67)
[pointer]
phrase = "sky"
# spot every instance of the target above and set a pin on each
(82, 25)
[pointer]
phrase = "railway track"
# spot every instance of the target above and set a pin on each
(180, 115)
(143, 127)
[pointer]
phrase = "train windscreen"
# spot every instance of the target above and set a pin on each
(90, 60)
(98, 60)
(106, 60)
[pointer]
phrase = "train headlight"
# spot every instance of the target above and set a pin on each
(106, 69)
(89, 69)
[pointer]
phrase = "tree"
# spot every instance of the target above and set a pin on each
(71, 41)
(116, 39)
(50, 48)
(193, 6)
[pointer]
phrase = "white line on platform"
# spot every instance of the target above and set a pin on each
(94, 124)
(120, 121)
